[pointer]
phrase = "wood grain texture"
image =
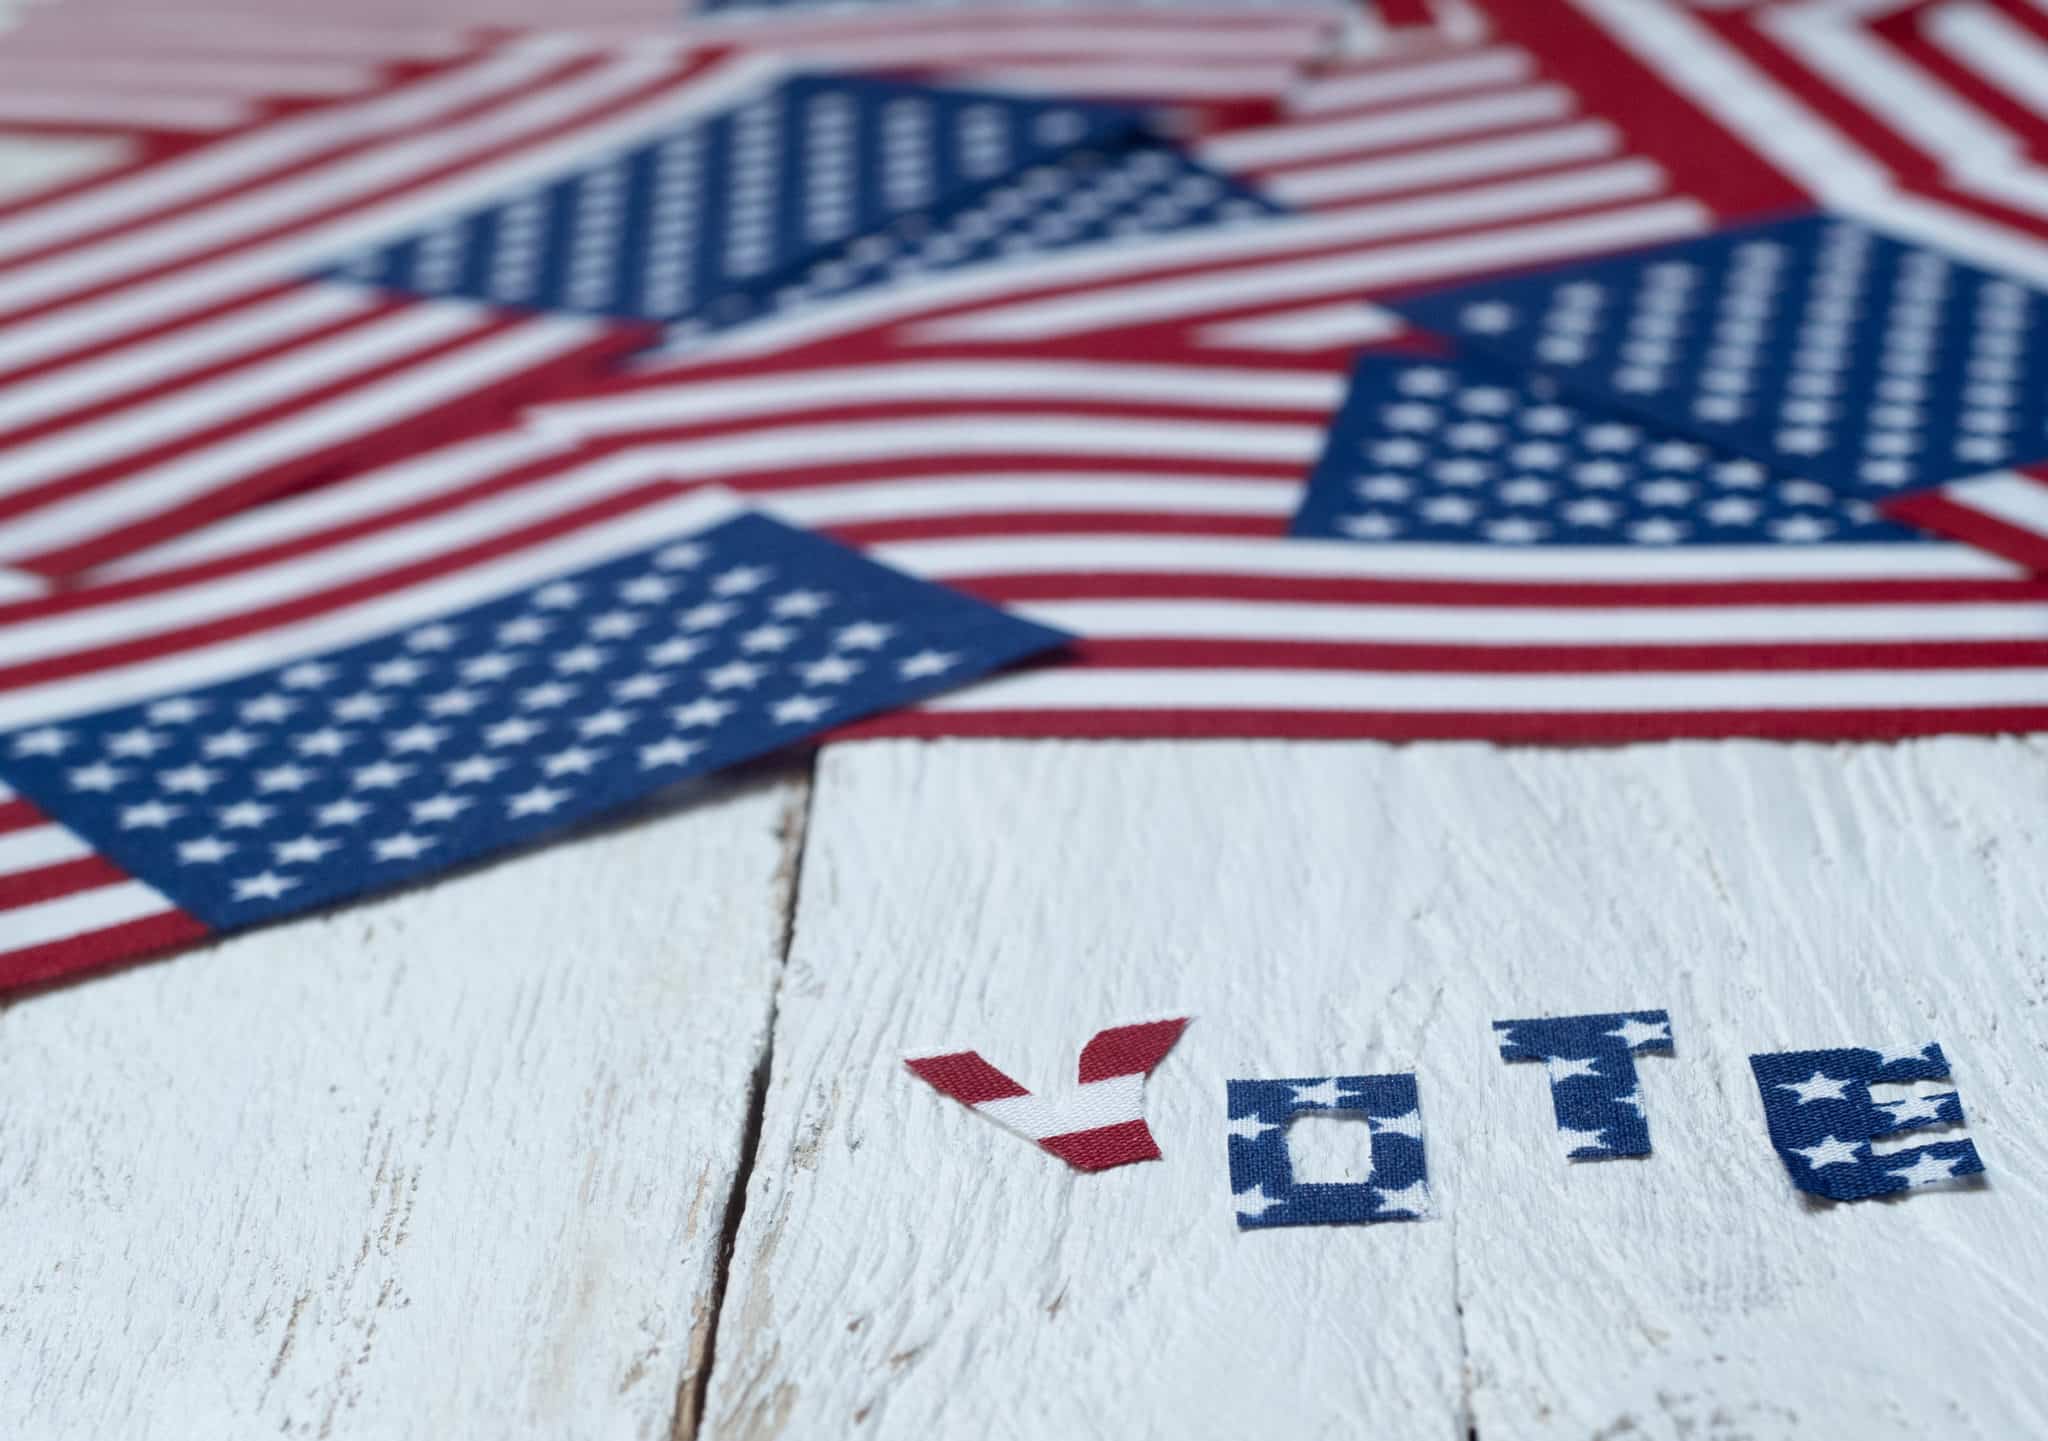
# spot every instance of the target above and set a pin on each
(454, 1163)
(905, 1269)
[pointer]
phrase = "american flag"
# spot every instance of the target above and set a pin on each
(744, 198)
(203, 70)
(166, 357)
(1925, 120)
(1433, 164)
(1144, 506)
(174, 75)
(445, 721)
(1821, 346)
(1106, 381)
(216, 329)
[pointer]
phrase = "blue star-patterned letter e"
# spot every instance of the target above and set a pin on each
(1823, 1119)
(1591, 1061)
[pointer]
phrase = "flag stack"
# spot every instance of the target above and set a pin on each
(436, 424)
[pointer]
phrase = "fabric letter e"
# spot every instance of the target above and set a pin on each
(1823, 1118)
(1099, 1125)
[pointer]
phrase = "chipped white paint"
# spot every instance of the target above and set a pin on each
(453, 1163)
(906, 1269)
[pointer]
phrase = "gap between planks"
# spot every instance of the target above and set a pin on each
(695, 1384)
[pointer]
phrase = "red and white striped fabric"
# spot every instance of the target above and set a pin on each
(1215, 61)
(69, 654)
(1143, 505)
(163, 361)
(1140, 504)
(1871, 109)
(1429, 166)
(2005, 512)
(1098, 1125)
(132, 67)
(59, 900)
(173, 73)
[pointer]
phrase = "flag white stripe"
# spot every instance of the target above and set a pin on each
(1155, 301)
(187, 178)
(977, 492)
(415, 391)
(828, 442)
(1270, 241)
(1446, 164)
(693, 402)
(128, 109)
(191, 75)
(20, 585)
(210, 283)
(1291, 141)
(249, 389)
(1501, 65)
(2017, 500)
(231, 219)
(79, 914)
(182, 352)
(1111, 1101)
(1310, 327)
(1339, 560)
(288, 579)
(1985, 41)
(393, 610)
(39, 846)
(1130, 77)
(1056, 34)
(1495, 693)
(1840, 49)
(1511, 626)
(413, 480)
(1780, 127)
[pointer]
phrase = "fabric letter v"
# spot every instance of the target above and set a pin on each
(1099, 1125)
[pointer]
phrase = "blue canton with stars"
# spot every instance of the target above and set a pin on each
(655, 230)
(1592, 1069)
(368, 767)
(1090, 196)
(1823, 1117)
(1817, 345)
(1262, 1173)
(1467, 451)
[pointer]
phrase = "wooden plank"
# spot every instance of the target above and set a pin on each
(454, 1163)
(903, 1268)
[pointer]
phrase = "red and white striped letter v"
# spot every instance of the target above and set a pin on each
(1098, 1125)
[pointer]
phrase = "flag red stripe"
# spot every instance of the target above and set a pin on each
(1506, 727)
(48, 882)
(1933, 510)
(1595, 657)
(966, 1077)
(18, 814)
(1129, 1050)
(93, 950)
(1102, 1147)
(477, 410)
(256, 621)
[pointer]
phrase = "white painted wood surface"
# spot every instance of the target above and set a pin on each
(454, 1163)
(904, 1268)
